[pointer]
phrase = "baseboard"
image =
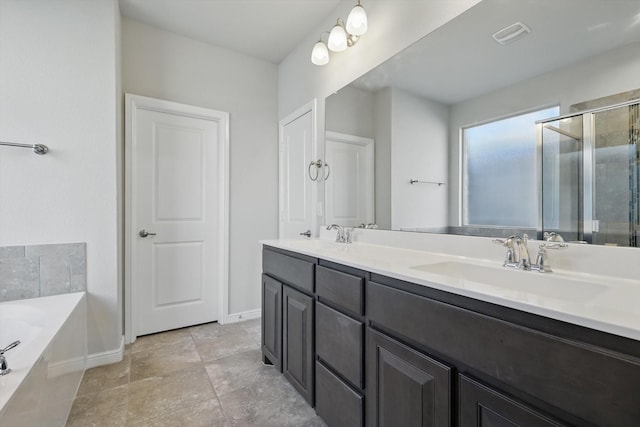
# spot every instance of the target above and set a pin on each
(106, 357)
(241, 316)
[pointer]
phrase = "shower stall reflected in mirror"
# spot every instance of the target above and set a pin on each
(589, 175)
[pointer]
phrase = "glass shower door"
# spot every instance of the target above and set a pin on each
(615, 138)
(589, 177)
(561, 154)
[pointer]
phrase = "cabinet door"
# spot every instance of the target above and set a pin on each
(481, 406)
(405, 387)
(297, 357)
(272, 321)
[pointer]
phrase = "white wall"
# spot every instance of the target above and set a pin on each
(351, 111)
(160, 64)
(613, 72)
(419, 150)
(58, 86)
(382, 111)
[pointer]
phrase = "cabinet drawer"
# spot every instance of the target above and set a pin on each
(339, 343)
(588, 382)
(342, 289)
(336, 403)
(290, 270)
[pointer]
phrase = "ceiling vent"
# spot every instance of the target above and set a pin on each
(511, 33)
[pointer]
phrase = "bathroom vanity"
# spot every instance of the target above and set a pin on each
(380, 336)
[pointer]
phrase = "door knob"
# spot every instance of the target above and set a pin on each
(306, 233)
(145, 233)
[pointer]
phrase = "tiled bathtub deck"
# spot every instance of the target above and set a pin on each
(207, 375)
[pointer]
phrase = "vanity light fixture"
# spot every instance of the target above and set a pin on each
(341, 37)
(320, 52)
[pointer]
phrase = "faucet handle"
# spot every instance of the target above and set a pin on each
(9, 347)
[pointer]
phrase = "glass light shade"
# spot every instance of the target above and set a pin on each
(337, 39)
(320, 54)
(357, 21)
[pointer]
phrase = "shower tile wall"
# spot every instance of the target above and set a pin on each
(42, 270)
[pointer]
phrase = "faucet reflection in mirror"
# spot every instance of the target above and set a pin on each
(340, 38)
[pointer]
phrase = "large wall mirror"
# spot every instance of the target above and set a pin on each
(443, 136)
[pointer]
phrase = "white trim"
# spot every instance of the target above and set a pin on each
(368, 143)
(106, 357)
(244, 315)
(132, 104)
(308, 107)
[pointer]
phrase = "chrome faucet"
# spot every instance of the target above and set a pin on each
(552, 241)
(344, 235)
(517, 252)
(4, 368)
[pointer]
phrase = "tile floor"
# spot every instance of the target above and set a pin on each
(206, 375)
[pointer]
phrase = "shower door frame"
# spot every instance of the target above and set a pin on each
(587, 175)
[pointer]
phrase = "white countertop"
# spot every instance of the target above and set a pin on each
(599, 302)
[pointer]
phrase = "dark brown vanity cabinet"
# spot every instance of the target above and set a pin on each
(481, 406)
(340, 346)
(288, 317)
(297, 341)
(384, 352)
(404, 386)
(272, 321)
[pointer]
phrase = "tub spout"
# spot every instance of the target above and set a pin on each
(4, 368)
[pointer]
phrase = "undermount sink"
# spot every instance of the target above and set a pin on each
(515, 283)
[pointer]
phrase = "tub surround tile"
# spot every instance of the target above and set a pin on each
(42, 270)
(11, 251)
(19, 278)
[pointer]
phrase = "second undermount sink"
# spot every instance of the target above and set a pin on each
(515, 283)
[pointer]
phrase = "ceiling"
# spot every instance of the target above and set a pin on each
(265, 29)
(461, 60)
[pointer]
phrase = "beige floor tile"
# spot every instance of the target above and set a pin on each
(158, 396)
(105, 377)
(203, 414)
(214, 330)
(270, 404)
(162, 360)
(104, 408)
(240, 371)
(225, 345)
(157, 341)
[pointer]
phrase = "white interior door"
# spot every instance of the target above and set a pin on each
(349, 188)
(178, 214)
(297, 189)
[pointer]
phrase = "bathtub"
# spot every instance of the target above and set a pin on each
(47, 366)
